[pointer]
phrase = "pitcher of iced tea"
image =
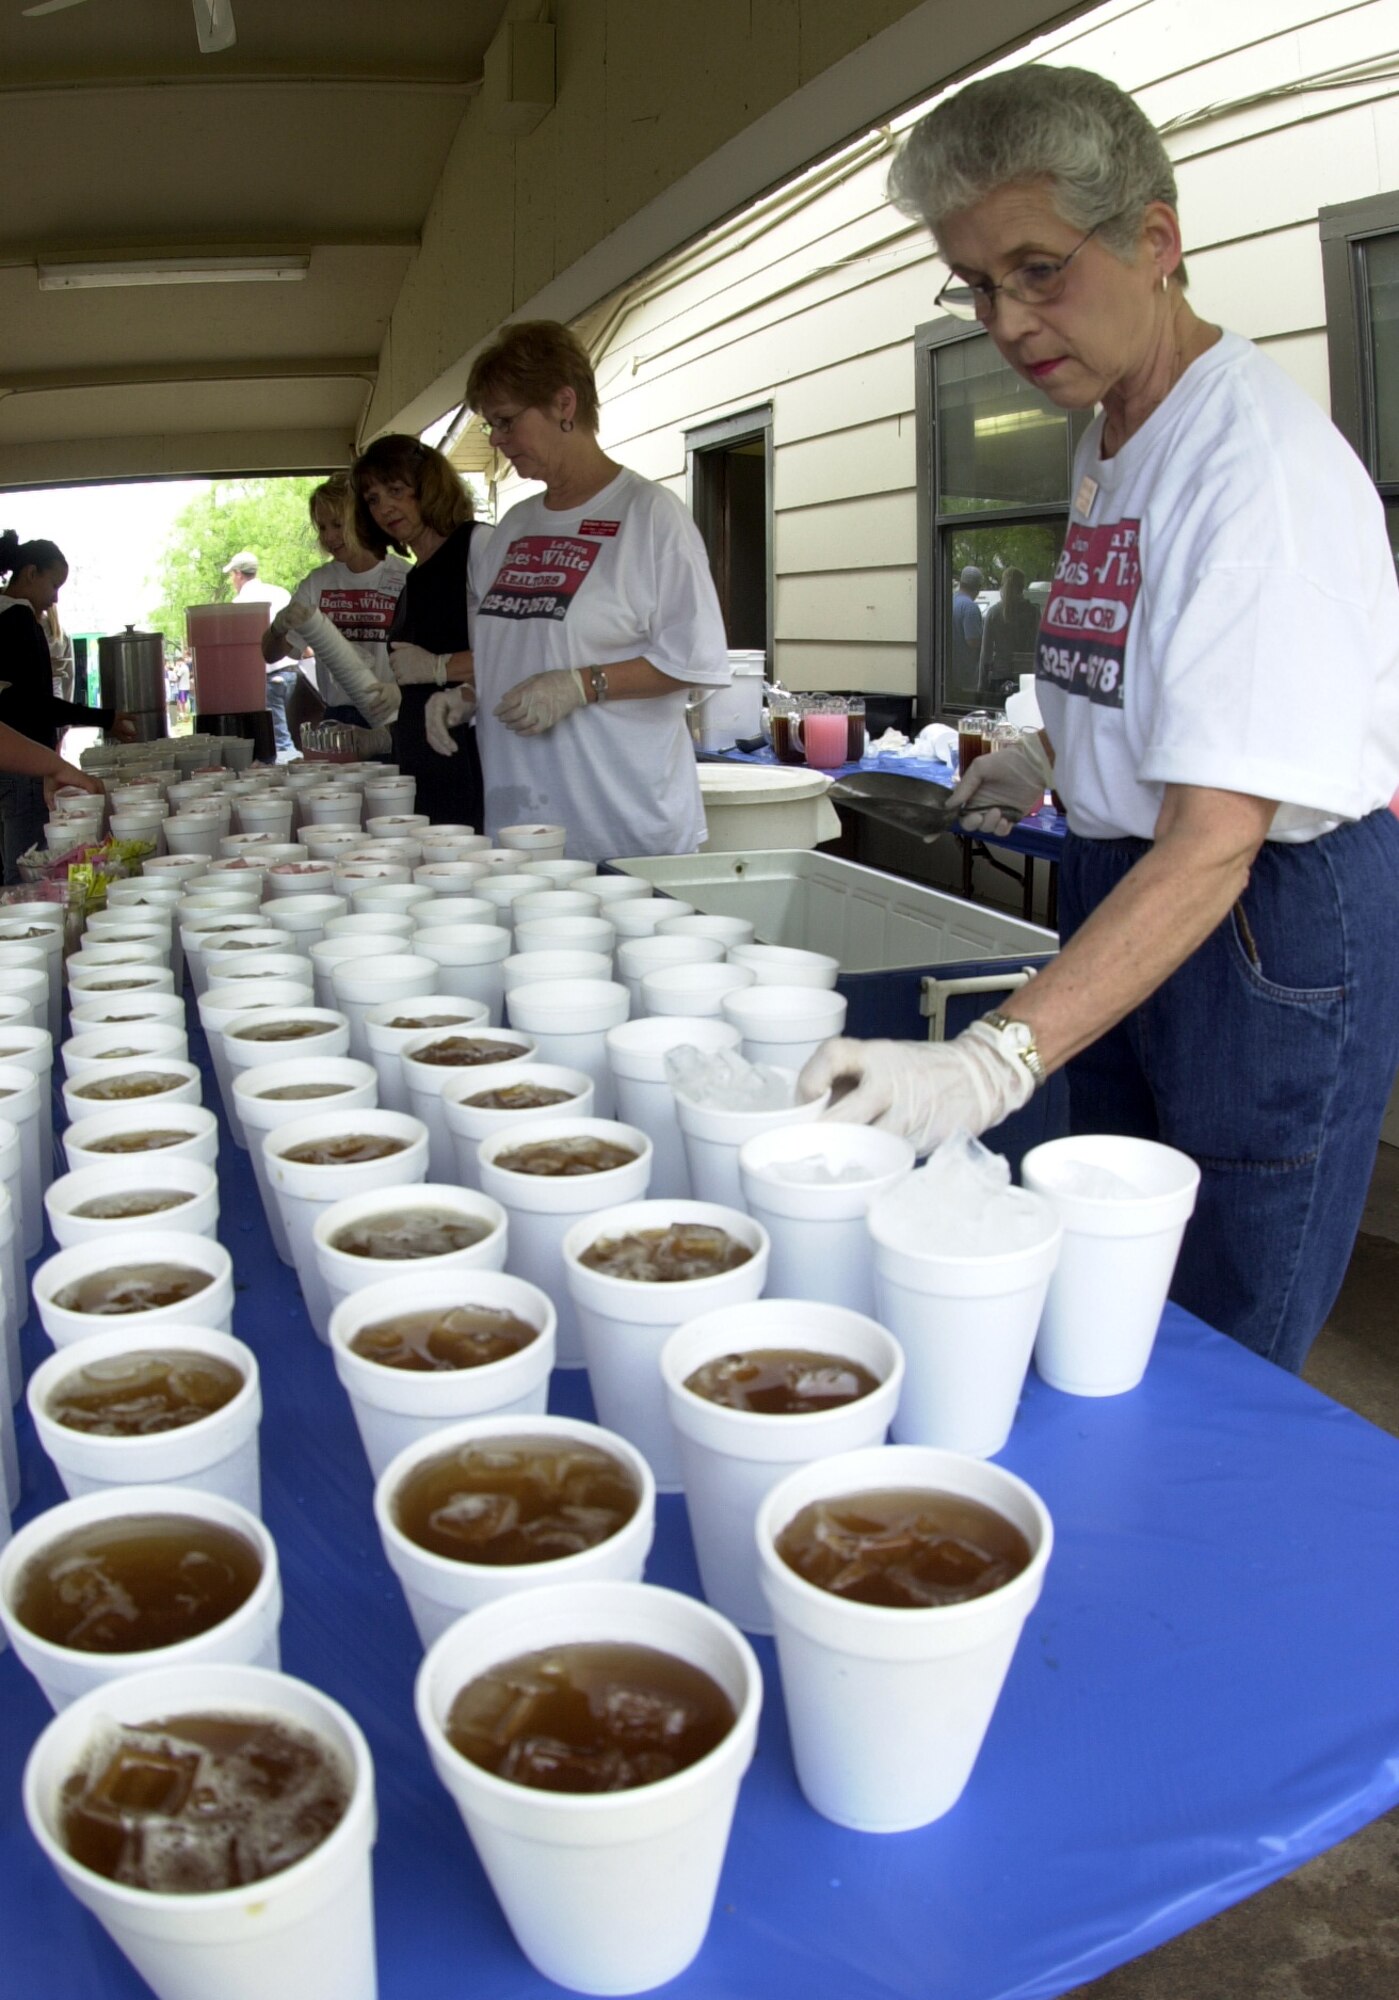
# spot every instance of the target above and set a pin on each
(783, 711)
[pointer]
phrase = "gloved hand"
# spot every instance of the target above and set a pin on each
(413, 666)
(1003, 786)
(444, 713)
(543, 700)
(377, 701)
(924, 1090)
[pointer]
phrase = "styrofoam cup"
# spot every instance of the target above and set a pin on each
(308, 1929)
(731, 1459)
(786, 965)
(729, 931)
(543, 1209)
(569, 1020)
(692, 989)
(636, 1053)
(468, 1124)
(784, 1024)
(468, 958)
(218, 1005)
(625, 1322)
(242, 1049)
(197, 1126)
(820, 1239)
(31, 1048)
(966, 1323)
(638, 916)
(345, 1273)
(211, 1306)
(604, 1892)
(636, 957)
(712, 1135)
(180, 1084)
(196, 1215)
(524, 968)
(247, 1637)
(439, 1589)
(19, 1105)
(545, 902)
(555, 872)
(91, 1049)
(337, 948)
(355, 1088)
(303, 1190)
(218, 1454)
(1106, 1296)
(426, 1081)
(887, 1708)
(394, 1407)
(302, 918)
(539, 843)
(564, 934)
(359, 983)
(386, 1041)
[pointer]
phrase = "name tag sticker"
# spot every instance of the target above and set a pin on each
(599, 527)
(1086, 497)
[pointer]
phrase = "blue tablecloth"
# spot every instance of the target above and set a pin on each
(1205, 1697)
(1040, 835)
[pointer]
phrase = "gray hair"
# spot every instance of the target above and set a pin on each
(1099, 152)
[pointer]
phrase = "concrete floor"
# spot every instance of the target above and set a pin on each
(1331, 1931)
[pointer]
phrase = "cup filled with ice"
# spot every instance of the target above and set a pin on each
(898, 1580)
(593, 1738)
(962, 1262)
(218, 1821)
(721, 1100)
(811, 1186)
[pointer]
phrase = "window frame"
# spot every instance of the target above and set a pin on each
(717, 436)
(934, 525)
(1343, 229)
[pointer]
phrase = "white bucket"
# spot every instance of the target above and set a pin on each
(394, 1407)
(626, 1322)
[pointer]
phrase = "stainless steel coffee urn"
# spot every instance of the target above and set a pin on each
(131, 670)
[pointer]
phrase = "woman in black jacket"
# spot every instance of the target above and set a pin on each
(36, 572)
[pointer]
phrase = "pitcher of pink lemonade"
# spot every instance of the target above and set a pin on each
(822, 730)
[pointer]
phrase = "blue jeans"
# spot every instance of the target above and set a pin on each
(22, 816)
(279, 687)
(1268, 1058)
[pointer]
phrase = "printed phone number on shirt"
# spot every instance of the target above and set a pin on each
(1083, 671)
(527, 604)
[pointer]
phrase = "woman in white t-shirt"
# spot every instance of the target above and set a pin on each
(595, 613)
(355, 594)
(1229, 982)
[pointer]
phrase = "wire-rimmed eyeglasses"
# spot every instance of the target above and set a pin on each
(1037, 282)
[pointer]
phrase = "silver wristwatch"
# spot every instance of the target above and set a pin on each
(598, 678)
(1017, 1040)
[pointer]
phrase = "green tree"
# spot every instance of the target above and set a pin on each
(267, 516)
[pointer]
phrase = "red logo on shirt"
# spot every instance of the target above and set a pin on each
(358, 613)
(1082, 643)
(540, 577)
(599, 527)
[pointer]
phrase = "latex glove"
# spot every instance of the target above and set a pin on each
(542, 701)
(924, 1090)
(444, 713)
(1001, 787)
(377, 701)
(413, 666)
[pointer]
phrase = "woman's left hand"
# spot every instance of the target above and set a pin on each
(540, 702)
(123, 728)
(414, 666)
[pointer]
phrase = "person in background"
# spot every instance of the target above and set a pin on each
(1229, 977)
(597, 615)
(1007, 639)
(36, 572)
(966, 626)
(242, 573)
(60, 654)
(355, 594)
(408, 497)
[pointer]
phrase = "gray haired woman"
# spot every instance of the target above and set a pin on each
(1229, 978)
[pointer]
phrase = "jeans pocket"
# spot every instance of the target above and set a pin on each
(1254, 957)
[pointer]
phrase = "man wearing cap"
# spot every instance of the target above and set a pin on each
(241, 571)
(966, 623)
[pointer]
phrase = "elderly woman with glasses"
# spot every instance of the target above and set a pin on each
(1218, 672)
(596, 615)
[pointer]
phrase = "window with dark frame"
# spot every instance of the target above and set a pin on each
(728, 469)
(1360, 272)
(994, 463)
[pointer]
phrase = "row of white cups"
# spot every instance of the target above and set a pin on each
(886, 1710)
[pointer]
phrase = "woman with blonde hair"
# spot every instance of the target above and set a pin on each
(597, 615)
(408, 497)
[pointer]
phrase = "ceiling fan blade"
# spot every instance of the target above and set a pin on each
(213, 20)
(49, 7)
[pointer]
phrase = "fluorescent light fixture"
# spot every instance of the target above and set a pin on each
(173, 271)
(1015, 420)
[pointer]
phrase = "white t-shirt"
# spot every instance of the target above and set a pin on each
(1224, 614)
(273, 595)
(624, 576)
(360, 605)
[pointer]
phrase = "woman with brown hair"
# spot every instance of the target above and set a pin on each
(597, 615)
(408, 496)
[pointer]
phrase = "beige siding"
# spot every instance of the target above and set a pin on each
(808, 303)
